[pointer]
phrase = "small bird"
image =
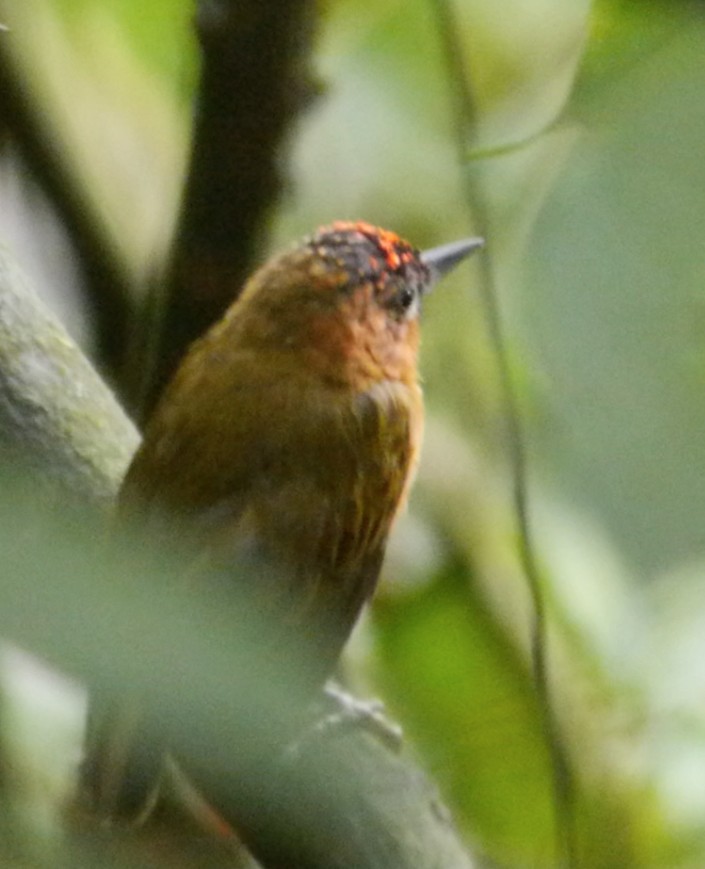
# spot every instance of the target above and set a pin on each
(287, 440)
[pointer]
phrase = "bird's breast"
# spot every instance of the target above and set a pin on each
(325, 523)
(332, 510)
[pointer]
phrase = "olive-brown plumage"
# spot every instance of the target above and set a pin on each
(288, 439)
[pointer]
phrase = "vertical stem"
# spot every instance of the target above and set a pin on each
(465, 117)
(109, 286)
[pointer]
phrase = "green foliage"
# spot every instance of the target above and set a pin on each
(157, 34)
(589, 153)
(463, 694)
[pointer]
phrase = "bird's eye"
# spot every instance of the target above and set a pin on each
(406, 298)
(402, 300)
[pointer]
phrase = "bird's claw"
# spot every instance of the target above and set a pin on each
(343, 713)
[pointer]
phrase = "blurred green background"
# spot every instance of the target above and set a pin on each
(589, 157)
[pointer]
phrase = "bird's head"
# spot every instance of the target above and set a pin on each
(346, 300)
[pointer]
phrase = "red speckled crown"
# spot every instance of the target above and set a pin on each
(369, 253)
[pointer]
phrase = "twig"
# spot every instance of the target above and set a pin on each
(108, 286)
(465, 117)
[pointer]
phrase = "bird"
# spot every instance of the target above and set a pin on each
(287, 442)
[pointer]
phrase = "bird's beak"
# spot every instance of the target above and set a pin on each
(444, 258)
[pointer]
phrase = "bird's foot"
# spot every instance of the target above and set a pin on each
(339, 713)
(351, 712)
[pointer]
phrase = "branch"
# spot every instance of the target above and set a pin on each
(56, 414)
(345, 801)
(255, 79)
(349, 802)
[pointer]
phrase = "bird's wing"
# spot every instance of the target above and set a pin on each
(296, 489)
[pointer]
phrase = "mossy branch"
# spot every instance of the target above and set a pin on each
(56, 414)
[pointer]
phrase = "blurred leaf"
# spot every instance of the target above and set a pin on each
(613, 308)
(465, 697)
(117, 119)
